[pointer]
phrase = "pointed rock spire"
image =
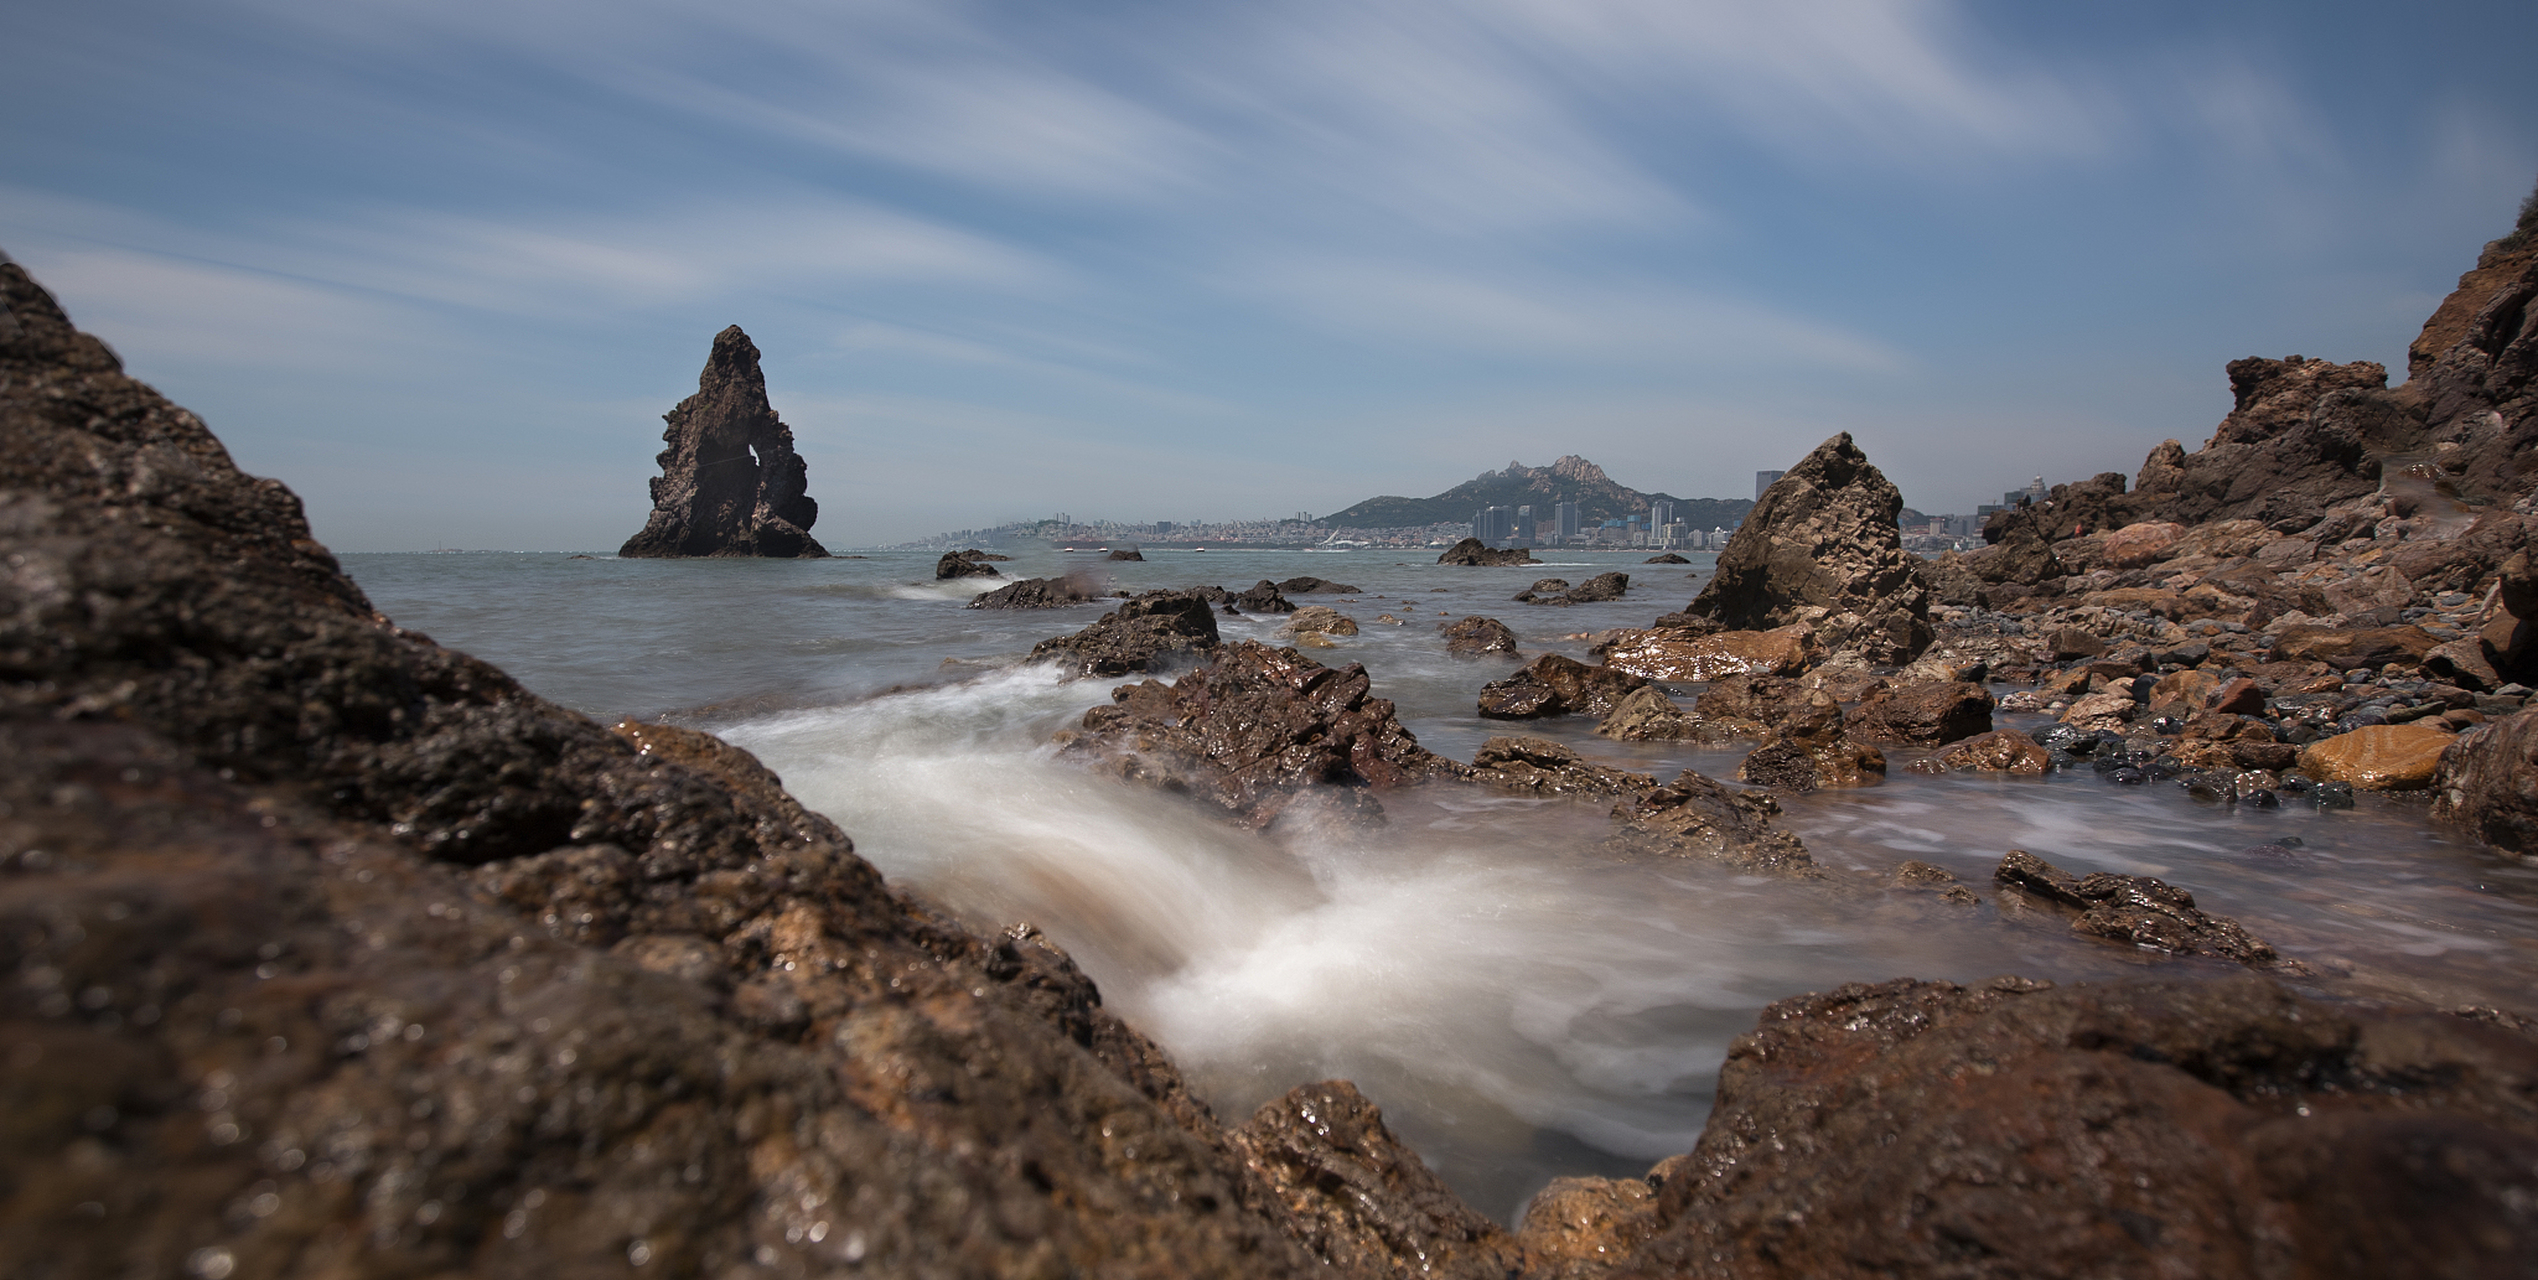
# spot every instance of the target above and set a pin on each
(730, 482)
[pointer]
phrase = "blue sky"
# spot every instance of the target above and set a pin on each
(441, 265)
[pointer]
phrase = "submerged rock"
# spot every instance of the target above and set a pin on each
(1261, 597)
(1665, 558)
(1476, 636)
(1646, 714)
(1303, 586)
(730, 482)
(1822, 548)
(1473, 551)
(1125, 553)
(1544, 767)
(1136, 636)
(1695, 817)
(1810, 748)
(1601, 587)
(2139, 911)
(1999, 751)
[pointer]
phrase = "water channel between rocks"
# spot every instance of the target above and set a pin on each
(1520, 1006)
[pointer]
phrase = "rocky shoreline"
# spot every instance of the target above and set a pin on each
(340, 953)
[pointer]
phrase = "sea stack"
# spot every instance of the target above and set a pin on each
(1822, 548)
(730, 482)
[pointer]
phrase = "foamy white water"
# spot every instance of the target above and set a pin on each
(1521, 1006)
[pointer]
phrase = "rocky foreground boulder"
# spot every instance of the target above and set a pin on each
(1147, 632)
(730, 482)
(1822, 548)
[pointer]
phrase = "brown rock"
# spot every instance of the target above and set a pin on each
(1582, 1227)
(2184, 692)
(2000, 751)
(2101, 711)
(1694, 817)
(2241, 696)
(2138, 911)
(1039, 593)
(2226, 1129)
(1154, 629)
(1476, 636)
(1553, 685)
(2069, 643)
(1922, 877)
(1308, 585)
(1321, 620)
(2382, 757)
(1810, 748)
(1363, 1202)
(1822, 548)
(2463, 663)
(730, 482)
(2488, 782)
(2344, 648)
(1544, 767)
(1125, 553)
(2136, 545)
(1646, 714)
(1681, 657)
(1927, 713)
(1256, 729)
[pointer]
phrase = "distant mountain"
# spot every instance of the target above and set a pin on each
(1571, 479)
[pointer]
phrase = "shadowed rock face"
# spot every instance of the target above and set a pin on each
(1822, 547)
(352, 957)
(730, 482)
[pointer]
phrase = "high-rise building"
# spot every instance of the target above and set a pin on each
(1566, 519)
(1660, 514)
(1764, 480)
(1494, 525)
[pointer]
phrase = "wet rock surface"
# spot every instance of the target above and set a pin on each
(965, 564)
(1554, 685)
(1557, 591)
(1475, 636)
(1696, 817)
(1646, 714)
(1319, 620)
(1543, 767)
(1473, 551)
(1039, 593)
(1822, 548)
(2217, 1129)
(1809, 746)
(1155, 629)
(1263, 596)
(2139, 911)
(357, 958)
(1253, 731)
(1302, 586)
(2487, 783)
(1926, 713)
(1362, 1201)
(1678, 655)
(730, 482)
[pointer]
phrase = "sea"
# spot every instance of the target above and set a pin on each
(1521, 1005)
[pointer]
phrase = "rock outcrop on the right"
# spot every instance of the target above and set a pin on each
(2488, 783)
(1822, 548)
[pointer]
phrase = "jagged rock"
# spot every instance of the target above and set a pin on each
(1473, 551)
(1253, 730)
(1646, 714)
(730, 482)
(1544, 767)
(1822, 548)
(1361, 1201)
(1924, 712)
(1694, 817)
(1159, 625)
(1310, 586)
(2216, 1129)
(2385, 757)
(2488, 783)
(963, 564)
(1038, 593)
(2136, 545)
(1475, 636)
(2101, 711)
(1752, 706)
(1545, 591)
(2138, 911)
(1601, 587)
(1685, 657)
(1579, 1228)
(1125, 553)
(1666, 558)
(1810, 748)
(1552, 685)
(2000, 751)
(1319, 620)
(1261, 597)
(366, 928)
